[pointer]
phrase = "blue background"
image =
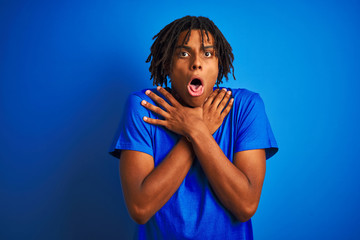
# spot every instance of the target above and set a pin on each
(66, 68)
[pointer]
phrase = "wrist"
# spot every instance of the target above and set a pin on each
(197, 132)
(187, 144)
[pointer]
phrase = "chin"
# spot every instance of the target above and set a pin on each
(195, 102)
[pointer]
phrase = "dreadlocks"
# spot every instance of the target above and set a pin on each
(162, 50)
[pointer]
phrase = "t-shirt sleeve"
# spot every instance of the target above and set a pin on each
(254, 130)
(133, 133)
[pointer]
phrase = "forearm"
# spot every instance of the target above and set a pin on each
(230, 184)
(229, 181)
(161, 183)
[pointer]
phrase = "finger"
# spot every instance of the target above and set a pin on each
(154, 121)
(219, 98)
(227, 109)
(210, 99)
(158, 99)
(224, 101)
(154, 109)
(168, 96)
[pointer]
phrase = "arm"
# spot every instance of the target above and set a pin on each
(146, 188)
(238, 186)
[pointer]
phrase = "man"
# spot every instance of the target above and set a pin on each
(192, 159)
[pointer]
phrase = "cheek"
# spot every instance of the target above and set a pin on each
(215, 73)
(215, 67)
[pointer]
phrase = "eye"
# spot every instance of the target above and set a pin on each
(208, 54)
(184, 54)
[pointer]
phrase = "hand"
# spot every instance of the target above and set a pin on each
(177, 118)
(214, 110)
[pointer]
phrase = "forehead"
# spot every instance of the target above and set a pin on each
(195, 37)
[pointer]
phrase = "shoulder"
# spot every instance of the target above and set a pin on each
(140, 94)
(244, 97)
(136, 97)
(248, 105)
(242, 93)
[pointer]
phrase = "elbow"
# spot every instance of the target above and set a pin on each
(139, 214)
(246, 213)
(244, 218)
(140, 219)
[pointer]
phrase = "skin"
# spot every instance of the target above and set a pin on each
(194, 61)
(237, 185)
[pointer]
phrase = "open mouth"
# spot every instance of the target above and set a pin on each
(196, 87)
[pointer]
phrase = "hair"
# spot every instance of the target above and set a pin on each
(162, 50)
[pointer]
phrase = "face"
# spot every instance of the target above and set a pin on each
(194, 70)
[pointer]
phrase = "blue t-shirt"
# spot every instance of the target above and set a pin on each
(194, 211)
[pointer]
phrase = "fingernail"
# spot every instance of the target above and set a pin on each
(145, 118)
(158, 88)
(147, 92)
(229, 92)
(143, 102)
(224, 89)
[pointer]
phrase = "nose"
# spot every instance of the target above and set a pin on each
(196, 64)
(194, 67)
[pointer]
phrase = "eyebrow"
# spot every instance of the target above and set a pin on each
(189, 48)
